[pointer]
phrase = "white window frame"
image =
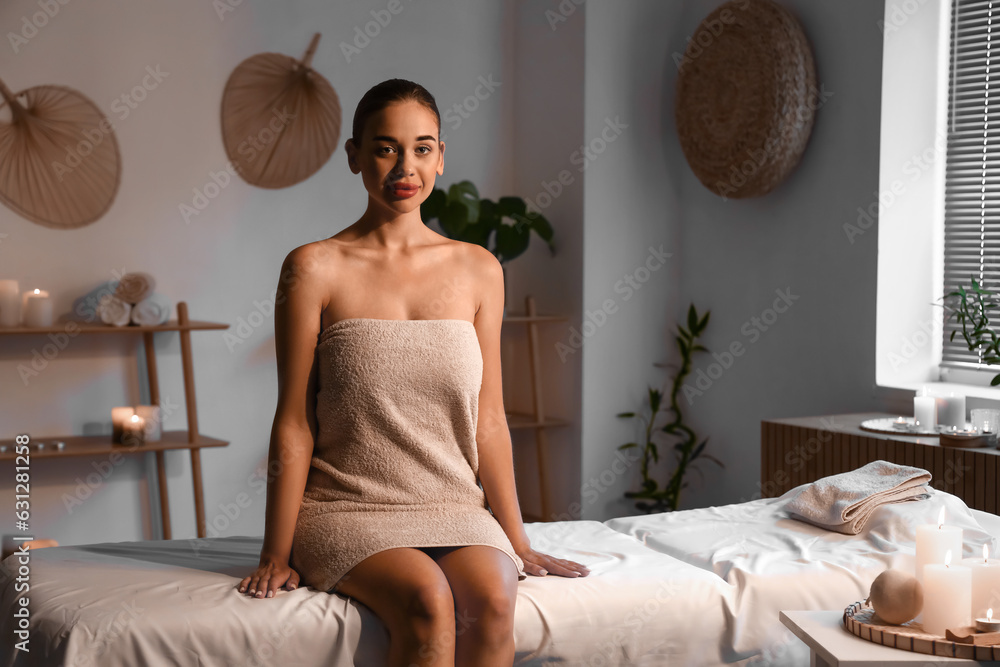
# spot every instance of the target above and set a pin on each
(910, 202)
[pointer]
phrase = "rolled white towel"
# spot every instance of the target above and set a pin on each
(113, 310)
(151, 311)
(844, 502)
(134, 287)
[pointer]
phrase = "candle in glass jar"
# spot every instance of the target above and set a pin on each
(134, 430)
(119, 416)
(947, 597)
(37, 309)
(10, 303)
(934, 541)
(985, 582)
(951, 410)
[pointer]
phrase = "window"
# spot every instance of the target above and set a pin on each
(972, 170)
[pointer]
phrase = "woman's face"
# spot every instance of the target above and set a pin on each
(399, 155)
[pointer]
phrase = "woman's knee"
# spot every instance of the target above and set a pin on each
(489, 615)
(429, 601)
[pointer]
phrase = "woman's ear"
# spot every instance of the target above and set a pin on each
(352, 156)
(440, 167)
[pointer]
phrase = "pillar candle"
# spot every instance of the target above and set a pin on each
(947, 597)
(118, 418)
(951, 410)
(925, 410)
(933, 541)
(985, 583)
(37, 309)
(134, 430)
(10, 304)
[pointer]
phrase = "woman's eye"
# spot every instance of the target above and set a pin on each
(385, 149)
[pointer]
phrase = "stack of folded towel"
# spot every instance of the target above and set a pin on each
(844, 502)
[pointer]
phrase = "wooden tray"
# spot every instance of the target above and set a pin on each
(910, 636)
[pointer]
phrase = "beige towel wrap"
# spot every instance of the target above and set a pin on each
(395, 462)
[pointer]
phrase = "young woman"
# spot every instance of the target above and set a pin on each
(390, 413)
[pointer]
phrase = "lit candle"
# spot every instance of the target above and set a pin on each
(133, 431)
(925, 410)
(985, 582)
(988, 624)
(947, 597)
(933, 541)
(118, 418)
(951, 410)
(37, 309)
(10, 303)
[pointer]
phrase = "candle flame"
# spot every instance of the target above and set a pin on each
(135, 418)
(947, 558)
(941, 518)
(38, 291)
(989, 614)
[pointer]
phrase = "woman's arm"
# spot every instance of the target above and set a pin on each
(496, 461)
(297, 315)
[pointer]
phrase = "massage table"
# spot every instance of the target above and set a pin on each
(695, 587)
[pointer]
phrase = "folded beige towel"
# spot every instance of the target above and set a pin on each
(844, 502)
(134, 287)
(395, 462)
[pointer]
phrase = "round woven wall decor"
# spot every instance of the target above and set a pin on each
(746, 98)
(59, 161)
(280, 119)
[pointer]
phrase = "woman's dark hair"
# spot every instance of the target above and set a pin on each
(382, 95)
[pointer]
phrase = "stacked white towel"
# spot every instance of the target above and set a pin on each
(151, 311)
(844, 502)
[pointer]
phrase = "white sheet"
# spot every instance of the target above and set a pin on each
(174, 602)
(781, 563)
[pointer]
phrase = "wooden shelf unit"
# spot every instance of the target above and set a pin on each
(537, 420)
(100, 445)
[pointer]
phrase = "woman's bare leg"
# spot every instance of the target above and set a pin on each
(411, 595)
(484, 585)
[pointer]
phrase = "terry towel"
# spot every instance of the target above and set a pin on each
(844, 502)
(395, 462)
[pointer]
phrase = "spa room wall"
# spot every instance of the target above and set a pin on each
(224, 261)
(732, 257)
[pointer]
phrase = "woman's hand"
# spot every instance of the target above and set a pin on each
(268, 578)
(540, 564)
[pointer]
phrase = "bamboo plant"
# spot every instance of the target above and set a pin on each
(972, 310)
(689, 448)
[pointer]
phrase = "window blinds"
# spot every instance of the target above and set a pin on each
(972, 181)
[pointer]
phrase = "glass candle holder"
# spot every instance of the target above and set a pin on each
(986, 420)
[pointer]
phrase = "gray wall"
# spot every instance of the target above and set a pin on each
(729, 256)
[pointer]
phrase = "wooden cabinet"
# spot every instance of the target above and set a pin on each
(101, 446)
(803, 449)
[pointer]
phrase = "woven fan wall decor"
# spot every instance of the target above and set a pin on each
(745, 103)
(59, 159)
(280, 119)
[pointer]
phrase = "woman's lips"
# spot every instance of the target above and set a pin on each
(404, 190)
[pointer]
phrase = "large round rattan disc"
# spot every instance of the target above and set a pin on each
(280, 119)
(746, 96)
(59, 159)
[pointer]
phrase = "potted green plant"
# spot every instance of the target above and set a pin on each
(503, 227)
(689, 448)
(971, 309)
